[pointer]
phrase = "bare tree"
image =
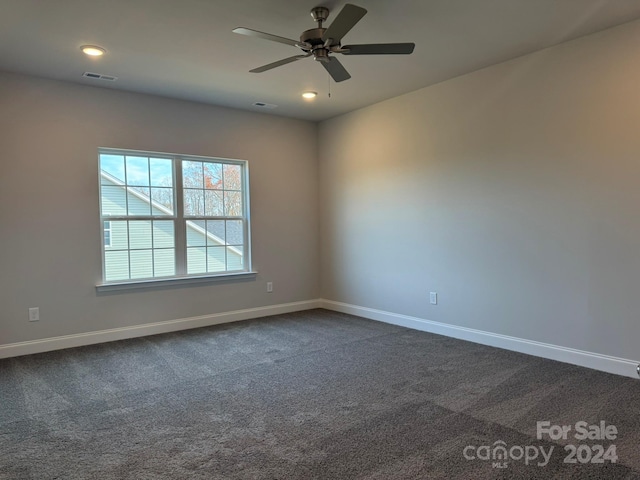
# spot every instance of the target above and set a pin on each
(212, 189)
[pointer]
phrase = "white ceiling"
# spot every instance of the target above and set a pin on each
(185, 48)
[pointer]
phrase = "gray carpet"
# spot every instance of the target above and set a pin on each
(311, 395)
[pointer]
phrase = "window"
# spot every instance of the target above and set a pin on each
(172, 216)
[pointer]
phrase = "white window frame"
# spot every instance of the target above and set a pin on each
(180, 225)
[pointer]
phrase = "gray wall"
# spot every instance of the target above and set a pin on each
(514, 192)
(49, 220)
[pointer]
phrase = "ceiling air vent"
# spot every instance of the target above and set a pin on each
(99, 76)
(269, 106)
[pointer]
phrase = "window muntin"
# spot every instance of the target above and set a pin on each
(172, 216)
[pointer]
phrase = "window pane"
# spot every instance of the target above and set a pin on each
(119, 235)
(196, 260)
(212, 175)
(138, 203)
(235, 232)
(216, 259)
(192, 174)
(213, 203)
(196, 233)
(116, 266)
(113, 168)
(193, 202)
(164, 262)
(137, 171)
(232, 204)
(106, 228)
(113, 200)
(161, 172)
(162, 201)
(163, 234)
(215, 232)
(232, 177)
(234, 258)
(141, 263)
(140, 235)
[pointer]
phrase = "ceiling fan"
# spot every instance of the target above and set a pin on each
(320, 42)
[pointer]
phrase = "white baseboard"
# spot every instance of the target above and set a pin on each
(101, 336)
(596, 361)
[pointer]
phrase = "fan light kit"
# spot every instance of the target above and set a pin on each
(309, 95)
(93, 50)
(321, 42)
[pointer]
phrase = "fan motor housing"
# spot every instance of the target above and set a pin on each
(313, 36)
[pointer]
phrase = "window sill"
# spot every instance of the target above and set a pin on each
(169, 282)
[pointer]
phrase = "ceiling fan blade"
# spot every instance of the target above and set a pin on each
(336, 70)
(266, 36)
(379, 49)
(279, 63)
(346, 19)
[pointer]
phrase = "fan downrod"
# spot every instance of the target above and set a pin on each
(313, 36)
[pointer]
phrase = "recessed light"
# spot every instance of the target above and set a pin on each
(309, 95)
(93, 50)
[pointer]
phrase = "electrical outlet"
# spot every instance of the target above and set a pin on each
(34, 314)
(269, 287)
(433, 298)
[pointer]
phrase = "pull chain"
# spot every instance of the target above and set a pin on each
(329, 79)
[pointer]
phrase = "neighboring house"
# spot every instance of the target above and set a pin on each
(145, 248)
